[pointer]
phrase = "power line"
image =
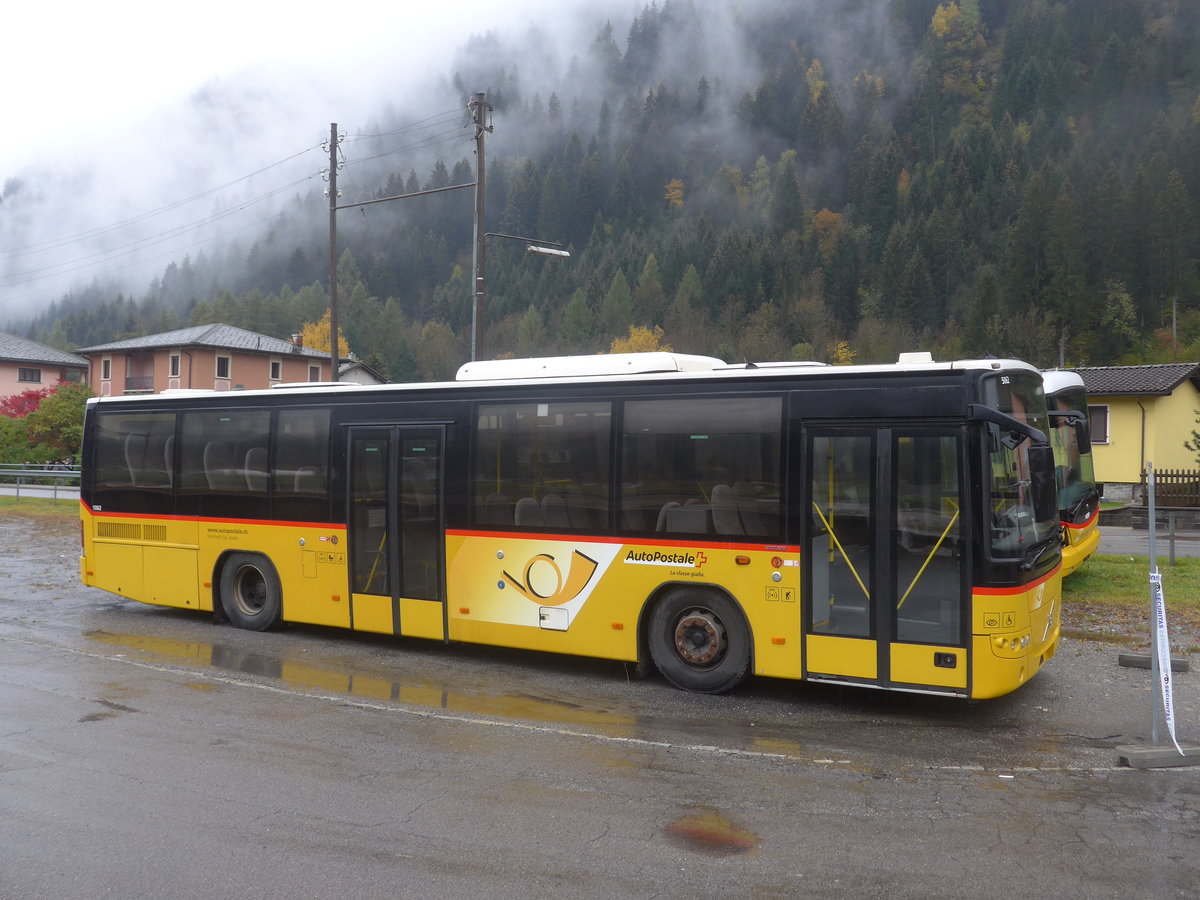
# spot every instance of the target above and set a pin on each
(56, 243)
(87, 261)
(112, 254)
(428, 122)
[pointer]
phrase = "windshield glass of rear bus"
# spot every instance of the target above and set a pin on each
(1021, 517)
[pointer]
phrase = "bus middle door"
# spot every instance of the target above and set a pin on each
(396, 529)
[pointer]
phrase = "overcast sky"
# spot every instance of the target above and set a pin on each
(117, 111)
(74, 73)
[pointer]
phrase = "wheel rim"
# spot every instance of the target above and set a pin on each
(700, 638)
(250, 591)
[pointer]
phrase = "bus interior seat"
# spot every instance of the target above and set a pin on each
(142, 460)
(307, 480)
(219, 468)
(747, 507)
(577, 511)
(554, 512)
(528, 512)
(725, 511)
(664, 514)
(169, 458)
(632, 516)
(497, 510)
(256, 469)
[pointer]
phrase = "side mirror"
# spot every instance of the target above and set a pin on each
(1041, 476)
(1017, 430)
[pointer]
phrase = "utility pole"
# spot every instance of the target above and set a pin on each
(479, 115)
(333, 197)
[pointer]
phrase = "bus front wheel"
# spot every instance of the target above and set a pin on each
(699, 641)
(250, 592)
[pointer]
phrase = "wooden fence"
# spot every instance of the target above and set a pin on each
(1174, 487)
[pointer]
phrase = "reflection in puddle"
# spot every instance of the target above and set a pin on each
(309, 677)
(710, 832)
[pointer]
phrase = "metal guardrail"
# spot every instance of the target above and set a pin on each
(38, 479)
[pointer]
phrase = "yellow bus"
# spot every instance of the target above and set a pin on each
(1070, 436)
(890, 526)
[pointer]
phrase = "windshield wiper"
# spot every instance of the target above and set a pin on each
(1083, 501)
(1036, 551)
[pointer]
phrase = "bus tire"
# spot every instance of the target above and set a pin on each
(699, 640)
(250, 592)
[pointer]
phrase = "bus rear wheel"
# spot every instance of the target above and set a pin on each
(699, 641)
(250, 592)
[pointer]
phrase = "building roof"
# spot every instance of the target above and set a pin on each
(221, 337)
(1155, 381)
(353, 364)
(19, 349)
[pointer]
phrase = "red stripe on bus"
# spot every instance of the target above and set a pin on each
(1092, 518)
(598, 539)
(1019, 589)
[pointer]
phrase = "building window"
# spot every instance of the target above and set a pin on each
(105, 369)
(276, 369)
(314, 373)
(31, 376)
(223, 366)
(174, 365)
(1098, 423)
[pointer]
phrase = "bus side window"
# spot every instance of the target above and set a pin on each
(216, 445)
(702, 466)
(299, 478)
(543, 465)
(131, 474)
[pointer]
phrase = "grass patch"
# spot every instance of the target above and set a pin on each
(1117, 588)
(40, 508)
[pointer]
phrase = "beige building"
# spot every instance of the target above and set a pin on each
(212, 357)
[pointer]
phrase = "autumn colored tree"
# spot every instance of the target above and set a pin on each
(674, 195)
(316, 335)
(18, 406)
(640, 340)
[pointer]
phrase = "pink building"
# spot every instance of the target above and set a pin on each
(27, 365)
(214, 357)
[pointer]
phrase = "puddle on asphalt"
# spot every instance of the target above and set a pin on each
(707, 831)
(306, 676)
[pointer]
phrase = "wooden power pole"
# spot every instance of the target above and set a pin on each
(479, 115)
(333, 292)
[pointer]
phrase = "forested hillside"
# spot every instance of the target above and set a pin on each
(861, 178)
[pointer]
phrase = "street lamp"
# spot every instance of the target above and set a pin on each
(532, 245)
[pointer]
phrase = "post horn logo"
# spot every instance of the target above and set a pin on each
(542, 581)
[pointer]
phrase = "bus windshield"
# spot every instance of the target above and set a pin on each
(1073, 470)
(1020, 471)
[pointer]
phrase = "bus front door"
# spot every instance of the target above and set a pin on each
(396, 530)
(885, 577)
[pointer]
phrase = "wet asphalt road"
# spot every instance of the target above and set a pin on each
(148, 753)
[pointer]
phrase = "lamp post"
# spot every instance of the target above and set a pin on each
(532, 245)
